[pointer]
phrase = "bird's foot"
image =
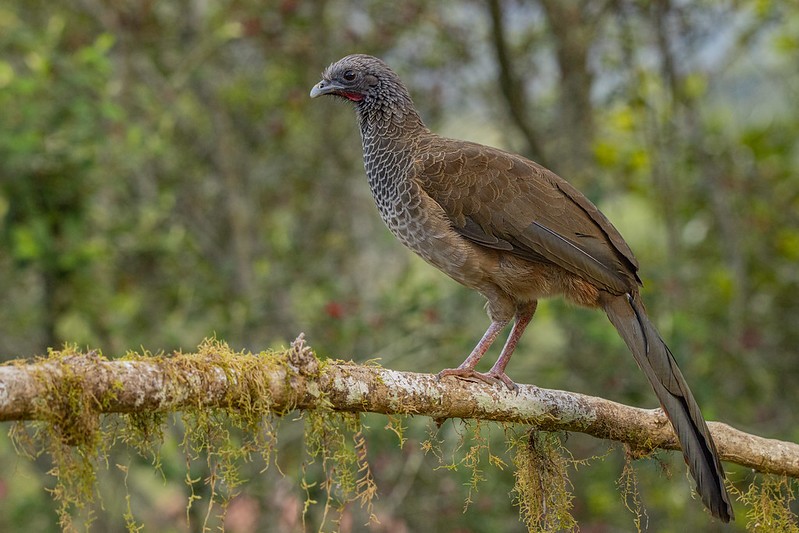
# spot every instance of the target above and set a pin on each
(490, 377)
(503, 377)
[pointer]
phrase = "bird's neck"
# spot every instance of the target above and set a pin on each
(390, 122)
(389, 136)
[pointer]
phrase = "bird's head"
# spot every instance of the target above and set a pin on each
(354, 77)
(367, 81)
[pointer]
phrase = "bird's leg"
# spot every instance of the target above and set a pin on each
(466, 369)
(523, 317)
(497, 373)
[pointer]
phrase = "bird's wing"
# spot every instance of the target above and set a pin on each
(504, 201)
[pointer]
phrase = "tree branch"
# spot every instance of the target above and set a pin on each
(296, 379)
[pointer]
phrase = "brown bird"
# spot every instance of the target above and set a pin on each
(515, 232)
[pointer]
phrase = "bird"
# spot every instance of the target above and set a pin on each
(515, 232)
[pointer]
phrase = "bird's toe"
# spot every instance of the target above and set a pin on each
(463, 373)
(468, 374)
(503, 377)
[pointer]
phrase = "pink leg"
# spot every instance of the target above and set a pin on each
(523, 318)
(466, 369)
(497, 372)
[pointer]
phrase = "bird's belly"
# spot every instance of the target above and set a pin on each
(431, 240)
(429, 234)
(529, 280)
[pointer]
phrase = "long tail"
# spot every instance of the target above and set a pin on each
(653, 356)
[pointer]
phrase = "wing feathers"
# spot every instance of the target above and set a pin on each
(503, 201)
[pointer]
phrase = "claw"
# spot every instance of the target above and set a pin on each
(503, 377)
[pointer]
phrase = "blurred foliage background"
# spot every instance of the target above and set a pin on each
(164, 177)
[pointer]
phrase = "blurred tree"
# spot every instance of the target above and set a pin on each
(164, 177)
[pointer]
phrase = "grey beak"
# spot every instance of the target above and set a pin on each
(324, 87)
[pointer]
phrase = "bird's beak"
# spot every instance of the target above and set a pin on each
(325, 87)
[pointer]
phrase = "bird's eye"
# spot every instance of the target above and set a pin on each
(349, 75)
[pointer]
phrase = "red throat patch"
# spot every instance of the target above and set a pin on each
(355, 97)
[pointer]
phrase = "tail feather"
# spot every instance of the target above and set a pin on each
(653, 357)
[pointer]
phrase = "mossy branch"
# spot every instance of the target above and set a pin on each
(295, 378)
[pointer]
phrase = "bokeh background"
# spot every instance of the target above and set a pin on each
(164, 178)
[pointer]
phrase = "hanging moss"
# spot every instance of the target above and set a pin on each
(542, 490)
(68, 429)
(768, 500)
(336, 445)
(627, 485)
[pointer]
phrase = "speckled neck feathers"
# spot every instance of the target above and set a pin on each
(390, 133)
